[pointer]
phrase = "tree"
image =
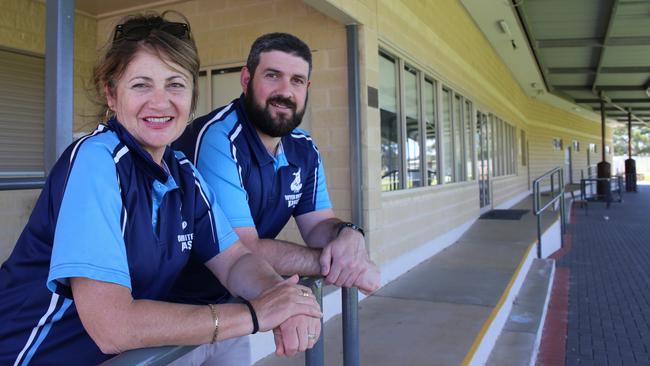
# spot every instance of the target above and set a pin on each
(640, 141)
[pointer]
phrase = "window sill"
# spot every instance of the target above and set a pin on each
(7, 184)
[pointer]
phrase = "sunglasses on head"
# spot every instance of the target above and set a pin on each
(136, 31)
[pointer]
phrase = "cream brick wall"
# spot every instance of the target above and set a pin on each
(16, 208)
(224, 31)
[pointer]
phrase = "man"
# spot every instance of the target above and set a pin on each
(264, 170)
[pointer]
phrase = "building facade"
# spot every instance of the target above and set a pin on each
(447, 132)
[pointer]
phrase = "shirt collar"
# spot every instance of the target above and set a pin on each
(142, 157)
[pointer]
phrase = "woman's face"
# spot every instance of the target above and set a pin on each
(152, 100)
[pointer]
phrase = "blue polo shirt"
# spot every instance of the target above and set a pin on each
(108, 213)
(254, 188)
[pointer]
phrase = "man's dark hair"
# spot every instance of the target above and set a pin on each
(283, 42)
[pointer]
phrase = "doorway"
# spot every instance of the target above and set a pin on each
(483, 161)
(568, 169)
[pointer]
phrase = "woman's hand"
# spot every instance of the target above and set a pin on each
(298, 334)
(283, 301)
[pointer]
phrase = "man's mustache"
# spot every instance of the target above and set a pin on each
(280, 100)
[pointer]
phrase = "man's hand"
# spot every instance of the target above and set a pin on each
(345, 263)
(297, 334)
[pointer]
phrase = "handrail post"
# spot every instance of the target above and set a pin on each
(562, 210)
(552, 185)
(316, 355)
(350, 327)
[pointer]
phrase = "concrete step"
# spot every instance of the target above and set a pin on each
(519, 340)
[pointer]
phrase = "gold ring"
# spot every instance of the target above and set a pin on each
(304, 293)
(311, 336)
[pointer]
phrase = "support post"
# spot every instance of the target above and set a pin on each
(350, 295)
(604, 168)
(59, 49)
(630, 164)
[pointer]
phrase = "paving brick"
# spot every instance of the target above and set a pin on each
(609, 305)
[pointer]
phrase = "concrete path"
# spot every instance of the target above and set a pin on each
(432, 314)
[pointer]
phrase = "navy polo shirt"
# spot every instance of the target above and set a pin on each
(252, 187)
(108, 213)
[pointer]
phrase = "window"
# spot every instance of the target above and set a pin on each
(469, 142)
(414, 177)
(217, 87)
(429, 102)
(411, 140)
(390, 139)
(447, 137)
(22, 102)
(576, 145)
(503, 140)
(524, 152)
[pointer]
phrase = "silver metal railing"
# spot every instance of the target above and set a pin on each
(555, 175)
(160, 356)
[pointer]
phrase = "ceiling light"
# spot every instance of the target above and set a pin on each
(647, 91)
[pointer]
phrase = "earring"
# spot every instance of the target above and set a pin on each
(108, 114)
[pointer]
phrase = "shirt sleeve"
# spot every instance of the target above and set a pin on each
(314, 196)
(219, 166)
(204, 231)
(88, 240)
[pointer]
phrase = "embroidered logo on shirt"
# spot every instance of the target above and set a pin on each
(296, 185)
(185, 240)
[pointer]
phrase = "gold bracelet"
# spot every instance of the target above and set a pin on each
(213, 310)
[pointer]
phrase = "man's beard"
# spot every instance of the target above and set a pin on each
(261, 118)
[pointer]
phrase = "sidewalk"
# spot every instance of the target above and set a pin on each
(436, 313)
(609, 283)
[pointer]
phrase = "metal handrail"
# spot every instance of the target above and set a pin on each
(551, 174)
(616, 180)
(159, 356)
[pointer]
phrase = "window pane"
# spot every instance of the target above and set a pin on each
(447, 137)
(458, 137)
(428, 99)
(469, 151)
(390, 147)
(524, 162)
(413, 134)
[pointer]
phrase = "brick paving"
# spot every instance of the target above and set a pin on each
(609, 283)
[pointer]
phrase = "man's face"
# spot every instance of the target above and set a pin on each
(276, 94)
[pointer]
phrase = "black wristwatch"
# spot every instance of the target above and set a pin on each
(352, 226)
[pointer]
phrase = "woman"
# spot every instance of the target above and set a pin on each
(119, 217)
